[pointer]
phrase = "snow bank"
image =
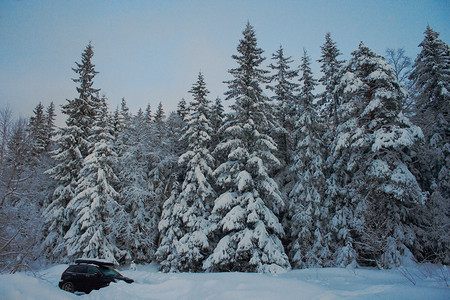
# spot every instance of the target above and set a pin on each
(413, 282)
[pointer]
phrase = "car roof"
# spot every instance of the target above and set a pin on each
(97, 262)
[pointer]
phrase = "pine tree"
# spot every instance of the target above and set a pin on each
(377, 193)
(308, 209)
(73, 144)
(246, 211)
(330, 69)
(431, 77)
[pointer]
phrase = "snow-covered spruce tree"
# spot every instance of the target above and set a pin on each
(50, 125)
(376, 198)
(93, 231)
(170, 232)
(285, 89)
(5, 132)
(38, 131)
(330, 68)
(245, 213)
(308, 210)
(139, 233)
(182, 109)
(194, 202)
(148, 114)
(72, 147)
(165, 149)
(22, 192)
(18, 160)
(431, 93)
(217, 118)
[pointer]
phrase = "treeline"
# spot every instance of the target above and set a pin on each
(355, 175)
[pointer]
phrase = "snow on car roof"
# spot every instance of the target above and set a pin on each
(94, 261)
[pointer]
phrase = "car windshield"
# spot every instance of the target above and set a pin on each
(110, 272)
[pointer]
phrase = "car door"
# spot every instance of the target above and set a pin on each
(93, 278)
(79, 277)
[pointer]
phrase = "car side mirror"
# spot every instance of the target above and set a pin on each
(98, 274)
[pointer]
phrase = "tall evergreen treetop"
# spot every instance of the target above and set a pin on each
(431, 72)
(330, 68)
(245, 88)
(73, 147)
(307, 80)
(245, 213)
(38, 130)
(285, 89)
(82, 110)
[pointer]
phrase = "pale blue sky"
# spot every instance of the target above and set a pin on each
(152, 51)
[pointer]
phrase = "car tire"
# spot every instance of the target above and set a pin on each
(68, 287)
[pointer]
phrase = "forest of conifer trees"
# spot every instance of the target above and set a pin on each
(357, 174)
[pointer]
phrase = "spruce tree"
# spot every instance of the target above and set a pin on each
(38, 131)
(376, 194)
(308, 209)
(72, 149)
(139, 233)
(245, 213)
(285, 89)
(330, 68)
(92, 233)
(148, 114)
(182, 109)
(431, 78)
(50, 125)
(195, 199)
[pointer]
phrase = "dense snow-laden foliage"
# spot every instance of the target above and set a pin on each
(308, 209)
(330, 68)
(285, 89)
(138, 227)
(352, 178)
(24, 189)
(245, 213)
(283, 86)
(72, 147)
(190, 208)
(92, 232)
(431, 95)
(372, 212)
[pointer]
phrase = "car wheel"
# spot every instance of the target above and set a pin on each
(68, 287)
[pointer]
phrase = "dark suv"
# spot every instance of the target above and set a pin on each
(89, 274)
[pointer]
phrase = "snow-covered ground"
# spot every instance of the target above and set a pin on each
(412, 282)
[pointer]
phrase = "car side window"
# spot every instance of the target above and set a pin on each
(92, 270)
(78, 269)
